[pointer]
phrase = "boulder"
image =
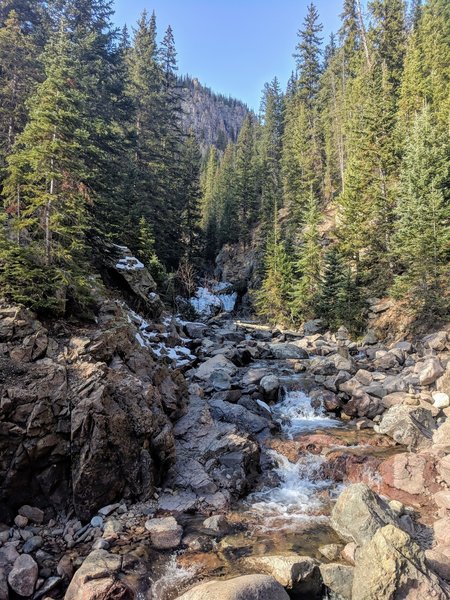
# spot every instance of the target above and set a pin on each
(408, 425)
(23, 576)
(429, 370)
(195, 331)
(441, 437)
(442, 499)
(441, 529)
(287, 351)
(254, 376)
(34, 514)
(359, 513)
(246, 587)
(436, 341)
(391, 566)
(338, 578)
(239, 415)
(439, 562)
(165, 533)
(216, 363)
(270, 385)
(312, 327)
(103, 575)
(405, 472)
(299, 575)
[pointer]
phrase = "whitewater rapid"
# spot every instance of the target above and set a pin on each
(298, 494)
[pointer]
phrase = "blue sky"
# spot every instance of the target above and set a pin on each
(233, 46)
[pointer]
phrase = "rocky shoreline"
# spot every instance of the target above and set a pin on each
(128, 445)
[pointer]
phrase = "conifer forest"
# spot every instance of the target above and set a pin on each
(342, 179)
(224, 328)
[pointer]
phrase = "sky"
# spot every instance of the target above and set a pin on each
(233, 46)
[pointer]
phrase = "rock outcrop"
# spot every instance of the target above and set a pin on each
(85, 412)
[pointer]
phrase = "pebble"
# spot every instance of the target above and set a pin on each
(97, 521)
(441, 400)
(100, 544)
(33, 544)
(21, 521)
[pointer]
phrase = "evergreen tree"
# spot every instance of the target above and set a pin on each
(191, 239)
(46, 192)
(19, 71)
(389, 36)
(422, 234)
(227, 204)
(146, 252)
(270, 149)
(209, 211)
(245, 178)
(272, 300)
(305, 291)
(308, 55)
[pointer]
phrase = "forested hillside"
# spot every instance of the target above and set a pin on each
(92, 148)
(342, 184)
(346, 177)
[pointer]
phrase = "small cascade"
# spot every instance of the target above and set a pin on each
(300, 493)
(297, 415)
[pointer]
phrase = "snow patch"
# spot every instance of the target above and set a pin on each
(129, 263)
(206, 300)
(181, 355)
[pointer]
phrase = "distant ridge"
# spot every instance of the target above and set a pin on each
(215, 118)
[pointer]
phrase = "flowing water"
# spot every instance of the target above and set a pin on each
(300, 493)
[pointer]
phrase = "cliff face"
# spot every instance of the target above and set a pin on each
(214, 118)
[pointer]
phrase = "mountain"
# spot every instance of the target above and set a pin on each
(215, 119)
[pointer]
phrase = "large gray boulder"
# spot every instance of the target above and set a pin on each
(287, 351)
(247, 587)
(411, 426)
(392, 566)
(214, 364)
(299, 575)
(235, 413)
(359, 513)
(23, 576)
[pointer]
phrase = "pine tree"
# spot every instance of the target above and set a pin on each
(308, 55)
(422, 234)
(46, 193)
(19, 72)
(270, 149)
(191, 238)
(389, 36)
(146, 252)
(209, 219)
(227, 204)
(305, 292)
(272, 299)
(245, 179)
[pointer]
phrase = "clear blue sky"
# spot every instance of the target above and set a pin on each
(233, 46)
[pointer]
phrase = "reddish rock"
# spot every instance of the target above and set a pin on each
(409, 478)
(352, 468)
